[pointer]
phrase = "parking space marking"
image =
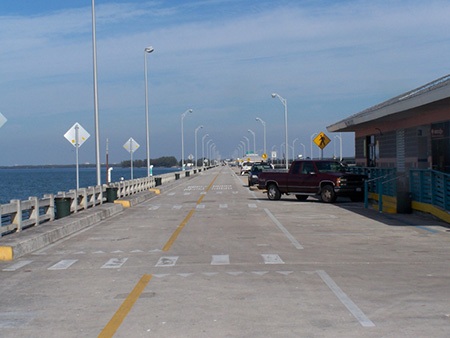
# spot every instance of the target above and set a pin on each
(63, 264)
(272, 259)
(114, 263)
(167, 261)
(283, 229)
(223, 206)
(220, 260)
(252, 205)
(352, 307)
(17, 266)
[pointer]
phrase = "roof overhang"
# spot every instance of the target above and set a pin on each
(427, 94)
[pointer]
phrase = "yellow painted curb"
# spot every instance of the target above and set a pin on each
(125, 204)
(157, 191)
(431, 209)
(6, 253)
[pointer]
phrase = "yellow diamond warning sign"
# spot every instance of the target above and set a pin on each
(322, 140)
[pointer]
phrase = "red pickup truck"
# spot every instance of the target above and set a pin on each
(327, 179)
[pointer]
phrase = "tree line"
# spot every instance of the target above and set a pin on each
(166, 161)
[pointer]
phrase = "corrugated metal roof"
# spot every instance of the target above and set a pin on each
(404, 101)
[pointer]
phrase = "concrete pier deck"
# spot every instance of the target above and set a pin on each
(207, 257)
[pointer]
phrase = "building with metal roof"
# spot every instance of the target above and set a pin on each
(410, 130)
(408, 137)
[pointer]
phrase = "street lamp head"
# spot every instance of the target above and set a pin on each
(190, 110)
(149, 49)
(274, 95)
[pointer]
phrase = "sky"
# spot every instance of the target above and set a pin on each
(221, 58)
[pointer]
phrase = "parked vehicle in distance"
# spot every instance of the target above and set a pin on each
(255, 170)
(325, 178)
(245, 167)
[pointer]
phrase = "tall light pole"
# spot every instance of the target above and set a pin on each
(304, 149)
(248, 144)
(243, 143)
(97, 136)
(196, 130)
(207, 148)
(182, 137)
(293, 149)
(340, 145)
(254, 140)
(203, 149)
(210, 152)
(264, 125)
(284, 102)
(312, 137)
(147, 50)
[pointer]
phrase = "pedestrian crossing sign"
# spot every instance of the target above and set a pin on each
(322, 140)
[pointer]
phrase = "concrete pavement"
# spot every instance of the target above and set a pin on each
(208, 257)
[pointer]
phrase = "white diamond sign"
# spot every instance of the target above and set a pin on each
(71, 135)
(131, 145)
(2, 120)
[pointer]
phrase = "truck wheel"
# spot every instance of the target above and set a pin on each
(301, 197)
(327, 194)
(273, 193)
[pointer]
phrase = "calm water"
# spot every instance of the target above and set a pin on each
(23, 183)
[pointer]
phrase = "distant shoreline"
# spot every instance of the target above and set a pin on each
(46, 166)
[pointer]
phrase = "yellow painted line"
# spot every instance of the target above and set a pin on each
(188, 217)
(126, 204)
(6, 253)
(157, 191)
(125, 308)
(431, 209)
(177, 232)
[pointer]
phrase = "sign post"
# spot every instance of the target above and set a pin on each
(131, 146)
(321, 141)
(77, 135)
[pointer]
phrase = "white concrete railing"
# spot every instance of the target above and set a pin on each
(19, 215)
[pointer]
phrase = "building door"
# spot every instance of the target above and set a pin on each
(440, 146)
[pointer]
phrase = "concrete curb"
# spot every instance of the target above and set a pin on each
(131, 201)
(19, 244)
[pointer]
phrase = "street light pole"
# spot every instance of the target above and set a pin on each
(196, 130)
(312, 136)
(97, 136)
(304, 149)
(284, 102)
(203, 149)
(254, 140)
(207, 149)
(264, 125)
(243, 143)
(182, 137)
(293, 149)
(147, 50)
(248, 144)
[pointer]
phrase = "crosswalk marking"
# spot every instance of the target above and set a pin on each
(177, 207)
(114, 263)
(220, 260)
(272, 259)
(223, 206)
(154, 207)
(171, 194)
(252, 205)
(200, 206)
(17, 266)
(63, 264)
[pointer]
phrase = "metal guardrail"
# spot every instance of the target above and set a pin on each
(431, 187)
(374, 176)
(19, 215)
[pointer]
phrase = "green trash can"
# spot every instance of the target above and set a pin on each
(111, 194)
(177, 176)
(62, 206)
(158, 181)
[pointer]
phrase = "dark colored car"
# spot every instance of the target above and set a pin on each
(255, 170)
